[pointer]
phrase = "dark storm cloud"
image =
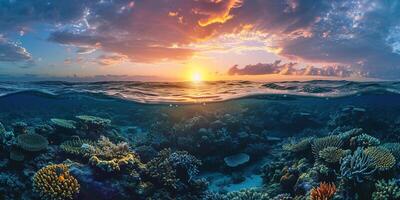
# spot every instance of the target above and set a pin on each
(278, 67)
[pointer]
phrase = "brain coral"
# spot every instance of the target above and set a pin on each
(32, 142)
(324, 142)
(331, 154)
(77, 147)
(382, 158)
(54, 182)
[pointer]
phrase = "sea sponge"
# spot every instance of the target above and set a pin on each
(54, 182)
(386, 190)
(324, 142)
(394, 148)
(364, 140)
(248, 194)
(32, 142)
(325, 191)
(299, 146)
(357, 167)
(382, 158)
(77, 147)
(331, 154)
(63, 123)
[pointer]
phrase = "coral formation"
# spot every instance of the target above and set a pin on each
(236, 160)
(382, 158)
(394, 148)
(331, 154)
(325, 191)
(319, 144)
(249, 194)
(300, 146)
(365, 140)
(386, 190)
(79, 147)
(54, 182)
(92, 123)
(63, 123)
(32, 142)
(357, 167)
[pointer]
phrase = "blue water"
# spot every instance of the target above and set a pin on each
(209, 120)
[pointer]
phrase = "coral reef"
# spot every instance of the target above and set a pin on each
(78, 147)
(394, 148)
(63, 123)
(331, 154)
(54, 182)
(92, 123)
(32, 142)
(319, 144)
(382, 158)
(299, 146)
(357, 167)
(386, 190)
(250, 194)
(365, 140)
(325, 191)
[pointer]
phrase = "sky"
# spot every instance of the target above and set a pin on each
(185, 39)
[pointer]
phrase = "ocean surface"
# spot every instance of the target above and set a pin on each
(207, 140)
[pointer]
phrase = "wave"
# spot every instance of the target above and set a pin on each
(187, 92)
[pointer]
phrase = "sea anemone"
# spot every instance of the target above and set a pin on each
(382, 158)
(325, 191)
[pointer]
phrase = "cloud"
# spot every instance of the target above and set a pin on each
(292, 69)
(12, 52)
(111, 59)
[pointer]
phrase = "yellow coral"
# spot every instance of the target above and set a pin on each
(382, 158)
(324, 142)
(114, 164)
(54, 182)
(331, 154)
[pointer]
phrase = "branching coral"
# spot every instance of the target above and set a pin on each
(322, 143)
(54, 182)
(325, 191)
(172, 168)
(357, 167)
(249, 194)
(382, 158)
(32, 142)
(331, 154)
(386, 190)
(365, 140)
(78, 147)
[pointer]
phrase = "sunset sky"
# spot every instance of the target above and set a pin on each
(206, 39)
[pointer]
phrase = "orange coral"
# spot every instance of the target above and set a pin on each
(324, 191)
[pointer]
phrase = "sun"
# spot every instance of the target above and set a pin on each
(196, 77)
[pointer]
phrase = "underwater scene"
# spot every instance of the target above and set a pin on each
(314, 140)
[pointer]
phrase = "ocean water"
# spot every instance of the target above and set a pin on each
(209, 140)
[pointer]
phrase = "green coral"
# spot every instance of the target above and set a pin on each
(78, 147)
(386, 190)
(63, 123)
(248, 194)
(32, 142)
(382, 158)
(394, 148)
(298, 146)
(365, 140)
(331, 154)
(319, 144)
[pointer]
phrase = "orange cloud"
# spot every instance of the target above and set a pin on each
(221, 15)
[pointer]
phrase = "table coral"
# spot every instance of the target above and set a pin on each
(78, 147)
(54, 182)
(382, 158)
(32, 142)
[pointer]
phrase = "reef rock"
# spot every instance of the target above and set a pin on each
(237, 159)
